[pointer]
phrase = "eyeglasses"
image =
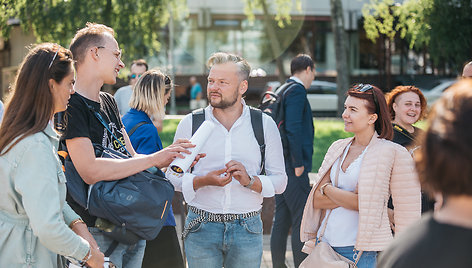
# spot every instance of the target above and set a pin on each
(364, 88)
(53, 58)
(117, 53)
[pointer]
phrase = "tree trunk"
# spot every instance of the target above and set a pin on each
(388, 64)
(340, 43)
(274, 42)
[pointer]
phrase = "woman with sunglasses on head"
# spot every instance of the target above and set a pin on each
(148, 100)
(347, 207)
(36, 224)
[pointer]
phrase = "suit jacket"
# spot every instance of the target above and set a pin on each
(299, 129)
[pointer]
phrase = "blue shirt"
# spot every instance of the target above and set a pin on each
(197, 88)
(145, 140)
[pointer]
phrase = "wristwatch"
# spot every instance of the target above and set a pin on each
(251, 182)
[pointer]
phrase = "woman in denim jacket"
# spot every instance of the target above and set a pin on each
(36, 224)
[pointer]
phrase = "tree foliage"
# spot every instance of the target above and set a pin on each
(282, 9)
(442, 27)
(136, 23)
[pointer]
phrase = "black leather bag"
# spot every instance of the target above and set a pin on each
(137, 206)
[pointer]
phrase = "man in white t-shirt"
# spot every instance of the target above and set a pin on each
(123, 94)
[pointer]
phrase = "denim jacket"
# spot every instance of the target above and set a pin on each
(34, 216)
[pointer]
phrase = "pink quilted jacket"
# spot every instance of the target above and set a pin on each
(387, 168)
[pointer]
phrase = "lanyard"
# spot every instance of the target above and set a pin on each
(102, 121)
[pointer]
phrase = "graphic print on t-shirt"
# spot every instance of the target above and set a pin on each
(109, 141)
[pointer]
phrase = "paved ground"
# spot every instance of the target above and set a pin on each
(266, 257)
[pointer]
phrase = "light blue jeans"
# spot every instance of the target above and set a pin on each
(231, 244)
(124, 256)
(368, 258)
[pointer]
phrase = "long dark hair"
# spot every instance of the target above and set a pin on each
(375, 104)
(31, 104)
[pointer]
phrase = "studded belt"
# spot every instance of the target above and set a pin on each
(205, 216)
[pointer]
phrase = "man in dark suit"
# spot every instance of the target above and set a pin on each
(298, 151)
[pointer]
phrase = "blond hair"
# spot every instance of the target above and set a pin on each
(223, 57)
(148, 93)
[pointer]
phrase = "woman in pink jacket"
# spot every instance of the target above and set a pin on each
(347, 207)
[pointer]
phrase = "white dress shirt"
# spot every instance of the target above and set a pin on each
(239, 144)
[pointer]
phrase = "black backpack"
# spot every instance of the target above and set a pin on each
(198, 116)
(272, 103)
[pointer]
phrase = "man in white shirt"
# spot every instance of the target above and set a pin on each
(225, 189)
(123, 94)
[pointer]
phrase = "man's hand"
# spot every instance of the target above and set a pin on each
(238, 171)
(213, 178)
(299, 171)
(164, 157)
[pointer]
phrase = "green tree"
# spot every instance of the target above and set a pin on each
(136, 23)
(450, 42)
(379, 24)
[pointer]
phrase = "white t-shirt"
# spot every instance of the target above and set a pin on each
(341, 230)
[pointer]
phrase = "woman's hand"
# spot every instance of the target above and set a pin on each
(97, 259)
(164, 157)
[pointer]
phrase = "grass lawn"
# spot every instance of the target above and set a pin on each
(326, 132)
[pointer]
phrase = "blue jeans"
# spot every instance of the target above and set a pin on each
(124, 256)
(231, 244)
(368, 258)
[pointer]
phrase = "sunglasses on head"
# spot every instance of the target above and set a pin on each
(364, 88)
(133, 76)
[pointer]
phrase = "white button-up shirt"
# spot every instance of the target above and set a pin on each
(239, 144)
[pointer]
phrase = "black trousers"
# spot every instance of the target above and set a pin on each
(288, 215)
(164, 251)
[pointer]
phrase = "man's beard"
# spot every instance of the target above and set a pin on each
(225, 103)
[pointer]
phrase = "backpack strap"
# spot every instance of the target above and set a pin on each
(198, 116)
(258, 128)
(136, 127)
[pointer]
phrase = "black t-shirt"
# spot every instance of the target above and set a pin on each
(429, 244)
(403, 137)
(81, 122)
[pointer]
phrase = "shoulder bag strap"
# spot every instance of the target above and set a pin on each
(136, 127)
(198, 116)
(258, 129)
(102, 121)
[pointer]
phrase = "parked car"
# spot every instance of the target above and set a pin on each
(433, 94)
(321, 95)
